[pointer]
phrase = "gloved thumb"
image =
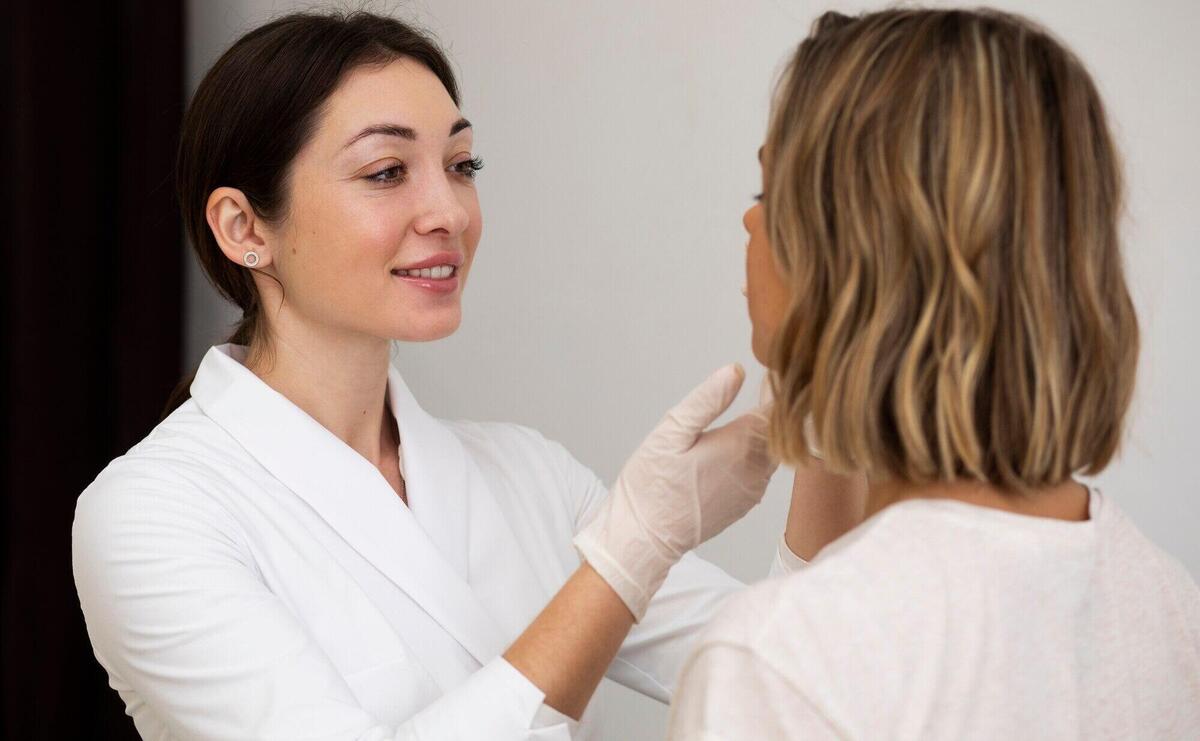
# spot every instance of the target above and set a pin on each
(766, 392)
(687, 419)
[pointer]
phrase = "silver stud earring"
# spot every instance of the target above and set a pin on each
(250, 258)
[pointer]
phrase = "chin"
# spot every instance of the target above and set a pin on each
(428, 330)
(759, 347)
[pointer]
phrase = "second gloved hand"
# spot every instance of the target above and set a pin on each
(682, 486)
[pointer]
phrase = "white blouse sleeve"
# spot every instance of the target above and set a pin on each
(741, 684)
(727, 692)
(200, 648)
(786, 561)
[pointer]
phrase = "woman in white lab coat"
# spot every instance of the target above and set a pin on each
(298, 550)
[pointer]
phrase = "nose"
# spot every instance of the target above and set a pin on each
(442, 210)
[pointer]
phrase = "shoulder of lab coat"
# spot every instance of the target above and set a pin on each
(167, 580)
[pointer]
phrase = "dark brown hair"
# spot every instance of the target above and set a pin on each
(943, 201)
(254, 111)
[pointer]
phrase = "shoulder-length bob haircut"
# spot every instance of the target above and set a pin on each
(942, 199)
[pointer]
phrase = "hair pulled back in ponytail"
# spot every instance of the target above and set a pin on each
(254, 111)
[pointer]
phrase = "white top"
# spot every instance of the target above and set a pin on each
(245, 574)
(943, 620)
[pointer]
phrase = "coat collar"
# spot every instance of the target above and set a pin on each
(423, 550)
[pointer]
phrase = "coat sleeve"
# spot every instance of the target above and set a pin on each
(200, 648)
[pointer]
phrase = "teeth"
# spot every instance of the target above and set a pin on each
(438, 272)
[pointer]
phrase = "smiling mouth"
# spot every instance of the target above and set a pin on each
(436, 272)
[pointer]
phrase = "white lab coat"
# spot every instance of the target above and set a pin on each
(245, 574)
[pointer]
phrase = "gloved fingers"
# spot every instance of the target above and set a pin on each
(687, 419)
(765, 408)
(752, 427)
(743, 443)
(766, 394)
(737, 470)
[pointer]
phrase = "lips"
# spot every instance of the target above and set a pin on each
(453, 259)
(436, 273)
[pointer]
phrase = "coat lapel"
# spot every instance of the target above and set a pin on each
(453, 501)
(435, 475)
(424, 555)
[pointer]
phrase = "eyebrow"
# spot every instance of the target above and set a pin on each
(404, 132)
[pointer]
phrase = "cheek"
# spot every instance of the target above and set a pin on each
(337, 228)
(340, 249)
(472, 233)
(762, 282)
(766, 294)
(474, 222)
(358, 254)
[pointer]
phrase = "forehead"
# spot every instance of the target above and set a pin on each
(402, 92)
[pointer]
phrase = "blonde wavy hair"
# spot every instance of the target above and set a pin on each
(942, 198)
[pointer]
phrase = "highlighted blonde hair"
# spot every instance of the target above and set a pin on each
(942, 199)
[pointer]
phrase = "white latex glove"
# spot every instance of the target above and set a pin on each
(680, 488)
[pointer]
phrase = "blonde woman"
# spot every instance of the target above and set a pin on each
(935, 283)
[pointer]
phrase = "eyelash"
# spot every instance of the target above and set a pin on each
(758, 197)
(466, 168)
(469, 168)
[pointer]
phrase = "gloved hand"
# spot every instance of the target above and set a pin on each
(680, 488)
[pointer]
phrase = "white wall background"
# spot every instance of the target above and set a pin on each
(620, 137)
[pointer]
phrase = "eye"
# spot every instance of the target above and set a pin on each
(468, 168)
(392, 174)
(758, 197)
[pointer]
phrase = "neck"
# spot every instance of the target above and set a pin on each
(1065, 501)
(340, 380)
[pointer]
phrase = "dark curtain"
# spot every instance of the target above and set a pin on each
(92, 291)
